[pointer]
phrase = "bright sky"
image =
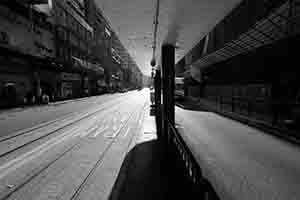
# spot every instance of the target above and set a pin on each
(181, 22)
(132, 21)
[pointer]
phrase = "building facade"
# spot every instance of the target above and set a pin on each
(60, 48)
(27, 53)
(74, 44)
(101, 48)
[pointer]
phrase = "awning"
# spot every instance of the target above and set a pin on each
(87, 65)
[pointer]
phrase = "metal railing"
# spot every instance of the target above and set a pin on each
(182, 158)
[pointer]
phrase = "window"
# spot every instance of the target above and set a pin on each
(108, 33)
(63, 17)
(4, 37)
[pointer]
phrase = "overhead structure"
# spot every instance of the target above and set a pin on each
(283, 22)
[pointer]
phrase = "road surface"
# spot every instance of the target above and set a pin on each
(70, 150)
(241, 162)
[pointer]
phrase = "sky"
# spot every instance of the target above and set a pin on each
(181, 22)
(132, 21)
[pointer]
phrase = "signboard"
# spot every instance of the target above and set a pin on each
(70, 77)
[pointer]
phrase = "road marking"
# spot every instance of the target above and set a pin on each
(92, 128)
(99, 130)
(140, 121)
(123, 119)
(112, 134)
(126, 132)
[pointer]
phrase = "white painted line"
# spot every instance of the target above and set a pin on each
(123, 119)
(126, 132)
(113, 134)
(92, 128)
(100, 130)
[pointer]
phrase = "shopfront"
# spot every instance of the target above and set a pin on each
(70, 85)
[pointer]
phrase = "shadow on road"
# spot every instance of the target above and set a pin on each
(146, 175)
(142, 175)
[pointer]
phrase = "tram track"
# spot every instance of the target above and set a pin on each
(45, 124)
(8, 141)
(101, 157)
(11, 191)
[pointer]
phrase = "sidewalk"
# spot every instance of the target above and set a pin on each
(205, 105)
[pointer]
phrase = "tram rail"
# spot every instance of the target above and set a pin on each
(74, 143)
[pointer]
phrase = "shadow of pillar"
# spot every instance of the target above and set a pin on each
(142, 175)
(146, 175)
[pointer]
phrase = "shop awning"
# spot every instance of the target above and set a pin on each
(87, 65)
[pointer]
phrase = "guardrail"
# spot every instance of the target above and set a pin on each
(183, 160)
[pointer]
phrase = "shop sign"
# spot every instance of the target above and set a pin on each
(70, 77)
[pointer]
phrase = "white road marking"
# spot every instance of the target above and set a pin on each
(112, 134)
(92, 128)
(99, 130)
(126, 132)
(123, 119)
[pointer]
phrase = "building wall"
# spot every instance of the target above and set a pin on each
(27, 45)
(20, 33)
(73, 34)
(246, 14)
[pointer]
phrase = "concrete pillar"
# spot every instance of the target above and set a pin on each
(168, 69)
(158, 114)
